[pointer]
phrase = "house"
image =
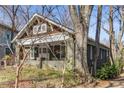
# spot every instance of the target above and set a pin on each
(51, 43)
(5, 40)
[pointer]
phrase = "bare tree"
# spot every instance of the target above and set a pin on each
(111, 36)
(26, 16)
(12, 11)
(80, 18)
(25, 12)
(97, 38)
(121, 32)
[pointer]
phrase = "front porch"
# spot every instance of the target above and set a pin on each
(46, 50)
(44, 55)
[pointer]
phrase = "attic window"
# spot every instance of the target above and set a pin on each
(40, 28)
(8, 36)
(44, 26)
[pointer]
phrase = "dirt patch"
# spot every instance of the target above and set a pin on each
(22, 84)
(103, 84)
(54, 83)
(25, 84)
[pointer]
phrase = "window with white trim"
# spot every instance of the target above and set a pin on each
(58, 52)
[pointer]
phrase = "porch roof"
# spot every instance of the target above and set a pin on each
(42, 39)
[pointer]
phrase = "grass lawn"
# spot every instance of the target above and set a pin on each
(7, 74)
(39, 77)
(28, 72)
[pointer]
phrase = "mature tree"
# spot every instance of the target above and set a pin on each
(25, 10)
(121, 32)
(97, 38)
(111, 36)
(81, 17)
(12, 11)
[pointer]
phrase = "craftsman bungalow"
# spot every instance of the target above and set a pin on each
(52, 43)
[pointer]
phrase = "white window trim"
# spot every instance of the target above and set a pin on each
(32, 52)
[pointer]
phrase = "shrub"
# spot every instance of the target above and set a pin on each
(119, 65)
(107, 71)
(7, 57)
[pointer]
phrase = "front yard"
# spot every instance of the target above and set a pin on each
(32, 76)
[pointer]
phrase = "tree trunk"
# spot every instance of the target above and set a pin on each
(19, 66)
(111, 36)
(121, 32)
(97, 38)
(17, 78)
(81, 24)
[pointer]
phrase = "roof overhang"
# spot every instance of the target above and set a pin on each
(42, 39)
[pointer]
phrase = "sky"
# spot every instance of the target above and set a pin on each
(62, 12)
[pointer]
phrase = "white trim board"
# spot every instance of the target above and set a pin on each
(45, 39)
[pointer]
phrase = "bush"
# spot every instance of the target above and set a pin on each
(107, 71)
(119, 65)
(7, 57)
(8, 60)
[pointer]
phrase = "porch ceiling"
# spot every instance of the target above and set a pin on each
(43, 39)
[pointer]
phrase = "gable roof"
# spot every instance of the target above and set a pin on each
(46, 19)
(52, 22)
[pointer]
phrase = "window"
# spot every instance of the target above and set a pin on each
(44, 50)
(43, 27)
(91, 52)
(39, 50)
(101, 54)
(40, 28)
(62, 52)
(88, 52)
(8, 36)
(34, 53)
(52, 57)
(58, 52)
(7, 50)
(36, 28)
(55, 53)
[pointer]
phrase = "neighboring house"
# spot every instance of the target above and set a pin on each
(53, 43)
(5, 40)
